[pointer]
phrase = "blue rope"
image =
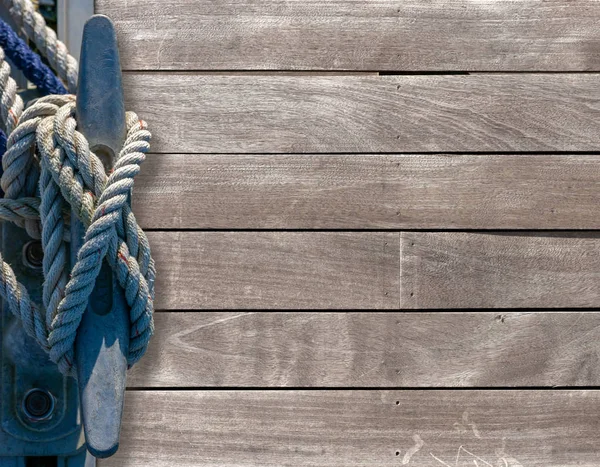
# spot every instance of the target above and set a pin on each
(33, 68)
(29, 62)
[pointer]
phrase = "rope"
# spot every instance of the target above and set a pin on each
(49, 171)
(34, 27)
(2, 151)
(29, 62)
(31, 65)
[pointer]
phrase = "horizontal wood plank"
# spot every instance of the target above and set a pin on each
(412, 35)
(319, 349)
(426, 191)
(364, 270)
(270, 270)
(518, 428)
(500, 270)
(211, 113)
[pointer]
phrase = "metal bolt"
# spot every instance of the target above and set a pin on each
(38, 405)
(33, 254)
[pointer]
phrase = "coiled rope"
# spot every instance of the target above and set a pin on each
(49, 170)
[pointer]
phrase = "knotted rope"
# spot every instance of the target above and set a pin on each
(49, 170)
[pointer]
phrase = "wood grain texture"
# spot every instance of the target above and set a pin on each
(270, 270)
(211, 113)
(348, 35)
(523, 428)
(319, 349)
(427, 191)
(363, 270)
(500, 270)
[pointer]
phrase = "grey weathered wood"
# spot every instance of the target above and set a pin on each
(349, 35)
(515, 428)
(498, 270)
(362, 270)
(296, 270)
(194, 113)
(176, 191)
(319, 349)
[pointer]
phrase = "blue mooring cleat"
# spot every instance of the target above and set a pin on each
(42, 412)
(102, 342)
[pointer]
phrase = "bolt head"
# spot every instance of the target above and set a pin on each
(38, 405)
(33, 254)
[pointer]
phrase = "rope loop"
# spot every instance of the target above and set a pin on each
(49, 173)
(72, 178)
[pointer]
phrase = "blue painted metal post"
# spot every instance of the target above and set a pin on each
(102, 340)
(38, 405)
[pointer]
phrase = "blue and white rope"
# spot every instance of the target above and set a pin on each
(49, 170)
(44, 38)
(29, 62)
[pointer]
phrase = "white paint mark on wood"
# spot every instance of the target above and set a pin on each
(177, 339)
(440, 460)
(412, 451)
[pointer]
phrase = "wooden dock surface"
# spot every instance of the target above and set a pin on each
(376, 231)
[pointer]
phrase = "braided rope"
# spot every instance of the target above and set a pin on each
(29, 62)
(11, 104)
(70, 174)
(15, 294)
(34, 27)
(47, 155)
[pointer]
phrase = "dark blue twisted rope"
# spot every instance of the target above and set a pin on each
(30, 63)
(2, 147)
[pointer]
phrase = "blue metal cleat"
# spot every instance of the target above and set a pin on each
(102, 341)
(43, 414)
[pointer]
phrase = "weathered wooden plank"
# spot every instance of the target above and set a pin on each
(319, 349)
(196, 113)
(426, 191)
(348, 35)
(362, 270)
(296, 270)
(487, 428)
(500, 270)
